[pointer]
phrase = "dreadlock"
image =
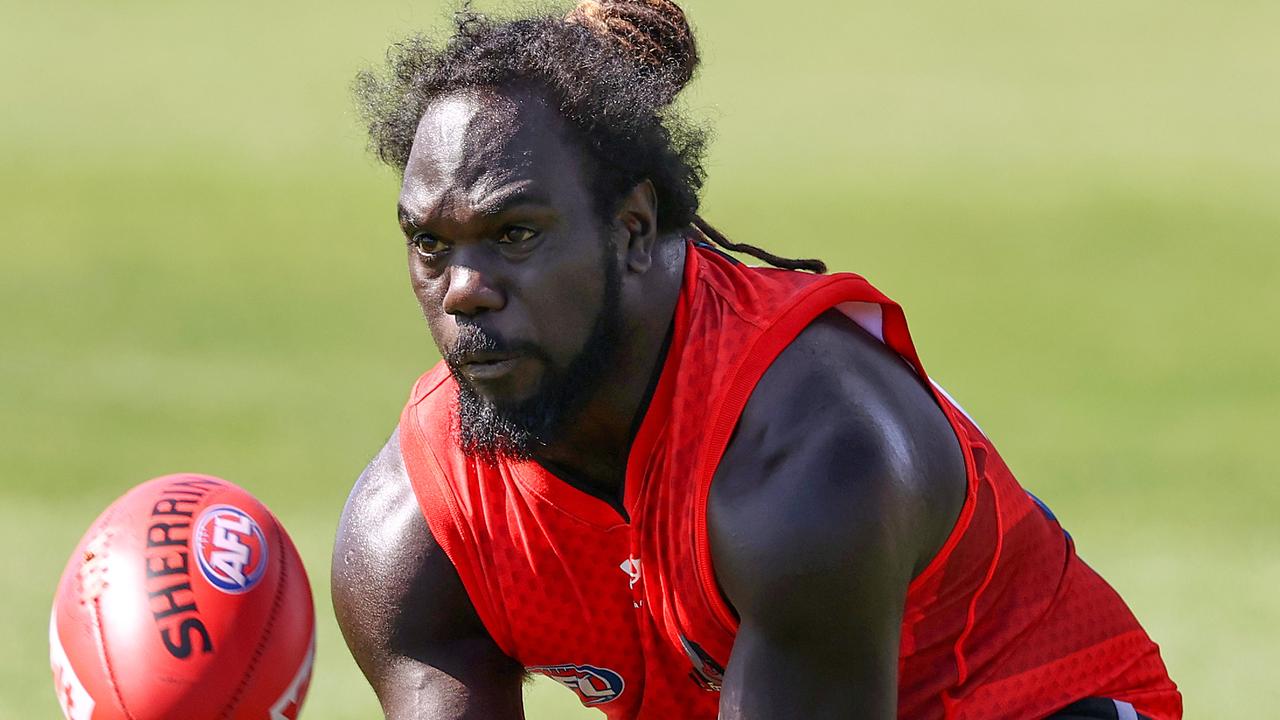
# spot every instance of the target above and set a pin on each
(707, 231)
(612, 68)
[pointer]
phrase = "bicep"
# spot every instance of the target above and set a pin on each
(819, 584)
(405, 614)
(842, 481)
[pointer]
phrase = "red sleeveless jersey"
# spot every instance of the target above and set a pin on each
(1005, 622)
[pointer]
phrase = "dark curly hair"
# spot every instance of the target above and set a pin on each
(611, 67)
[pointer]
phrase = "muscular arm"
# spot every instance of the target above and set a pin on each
(404, 612)
(841, 483)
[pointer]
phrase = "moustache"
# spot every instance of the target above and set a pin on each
(474, 339)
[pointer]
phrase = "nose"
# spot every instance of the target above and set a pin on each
(471, 292)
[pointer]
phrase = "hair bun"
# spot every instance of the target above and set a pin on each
(654, 33)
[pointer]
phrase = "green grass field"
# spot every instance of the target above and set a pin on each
(1077, 203)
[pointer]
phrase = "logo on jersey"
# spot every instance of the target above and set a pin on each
(594, 685)
(631, 566)
(230, 549)
(707, 673)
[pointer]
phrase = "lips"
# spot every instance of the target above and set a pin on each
(488, 365)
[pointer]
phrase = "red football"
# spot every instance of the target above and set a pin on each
(185, 600)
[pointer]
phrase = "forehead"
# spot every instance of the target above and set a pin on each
(475, 144)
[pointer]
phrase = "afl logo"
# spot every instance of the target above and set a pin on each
(594, 685)
(230, 549)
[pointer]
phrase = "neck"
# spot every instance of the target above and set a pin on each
(592, 450)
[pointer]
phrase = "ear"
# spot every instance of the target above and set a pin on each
(636, 226)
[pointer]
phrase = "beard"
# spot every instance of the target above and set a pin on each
(488, 430)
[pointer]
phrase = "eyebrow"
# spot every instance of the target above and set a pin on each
(501, 202)
(402, 214)
(493, 205)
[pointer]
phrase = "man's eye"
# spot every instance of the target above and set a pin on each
(517, 234)
(426, 245)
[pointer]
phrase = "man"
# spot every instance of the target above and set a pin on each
(682, 487)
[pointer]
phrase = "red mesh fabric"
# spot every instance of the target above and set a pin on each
(1006, 622)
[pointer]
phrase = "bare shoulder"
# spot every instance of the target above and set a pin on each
(387, 565)
(841, 456)
(402, 608)
(380, 526)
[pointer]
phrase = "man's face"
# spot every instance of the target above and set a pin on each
(512, 265)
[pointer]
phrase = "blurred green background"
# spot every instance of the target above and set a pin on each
(1077, 203)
